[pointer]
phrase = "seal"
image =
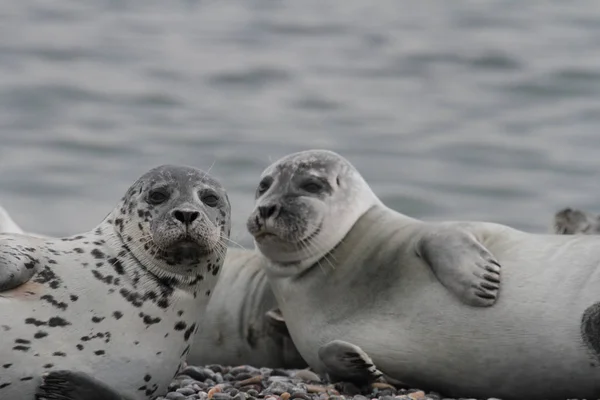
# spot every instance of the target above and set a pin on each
(241, 324)
(366, 290)
(570, 221)
(7, 225)
(113, 311)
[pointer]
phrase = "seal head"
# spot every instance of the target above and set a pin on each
(306, 202)
(182, 215)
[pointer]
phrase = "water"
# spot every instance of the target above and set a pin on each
(451, 110)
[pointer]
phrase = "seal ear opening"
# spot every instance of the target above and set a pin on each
(277, 322)
(337, 180)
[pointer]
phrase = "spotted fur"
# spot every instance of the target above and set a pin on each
(109, 302)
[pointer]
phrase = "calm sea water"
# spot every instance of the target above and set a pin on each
(451, 110)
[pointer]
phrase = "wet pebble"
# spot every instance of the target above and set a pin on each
(244, 382)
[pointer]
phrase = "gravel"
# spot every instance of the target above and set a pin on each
(217, 382)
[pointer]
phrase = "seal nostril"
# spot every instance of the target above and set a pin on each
(267, 211)
(186, 217)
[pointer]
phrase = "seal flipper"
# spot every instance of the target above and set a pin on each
(462, 264)
(16, 266)
(348, 362)
(71, 385)
(277, 322)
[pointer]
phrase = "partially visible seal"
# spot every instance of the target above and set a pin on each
(113, 311)
(570, 221)
(241, 324)
(367, 291)
(7, 225)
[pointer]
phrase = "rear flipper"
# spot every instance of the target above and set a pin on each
(72, 385)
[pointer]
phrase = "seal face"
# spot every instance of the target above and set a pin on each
(305, 204)
(120, 302)
(570, 221)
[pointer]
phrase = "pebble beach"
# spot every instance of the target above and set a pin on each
(217, 382)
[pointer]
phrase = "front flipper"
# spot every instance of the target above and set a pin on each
(71, 385)
(347, 362)
(462, 264)
(16, 266)
(275, 319)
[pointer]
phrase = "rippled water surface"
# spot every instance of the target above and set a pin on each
(451, 110)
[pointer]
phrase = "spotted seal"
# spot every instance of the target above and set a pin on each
(366, 290)
(241, 325)
(113, 310)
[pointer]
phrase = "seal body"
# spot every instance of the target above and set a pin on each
(373, 288)
(235, 327)
(121, 302)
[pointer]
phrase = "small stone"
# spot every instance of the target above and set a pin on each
(252, 392)
(359, 397)
(300, 395)
(307, 375)
(187, 391)
(284, 396)
(212, 391)
(174, 396)
(220, 396)
(240, 396)
(250, 381)
(417, 395)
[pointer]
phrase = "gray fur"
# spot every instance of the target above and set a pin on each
(365, 285)
(569, 221)
(238, 325)
(120, 302)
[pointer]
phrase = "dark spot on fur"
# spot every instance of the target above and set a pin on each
(22, 341)
(79, 347)
(99, 352)
(590, 328)
(58, 304)
(97, 319)
(181, 325)
(40, 334)
(48, 366)
(117, 314)
(74, 297)
(6, 366)
(4, 385)
(97, 253)
(147, 378)
(21, 348)
(189, 332)
(59, 354)
(27, 378)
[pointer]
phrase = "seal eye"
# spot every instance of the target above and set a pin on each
(263, 186)
(210, 199)
(312, 187)
(157, 196)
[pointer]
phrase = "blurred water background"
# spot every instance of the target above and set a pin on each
(450, 109)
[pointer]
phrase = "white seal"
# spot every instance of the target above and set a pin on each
(241, 324)
(113, 310)
(367, 291)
